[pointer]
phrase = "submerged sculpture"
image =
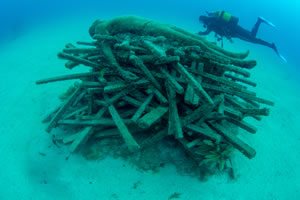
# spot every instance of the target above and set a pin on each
(149, 81)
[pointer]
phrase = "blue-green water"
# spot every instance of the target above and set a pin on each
(31, 34)
(284, 14)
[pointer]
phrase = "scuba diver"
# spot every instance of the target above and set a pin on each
(223, 24)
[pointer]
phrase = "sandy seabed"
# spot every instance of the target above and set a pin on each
(26, 174)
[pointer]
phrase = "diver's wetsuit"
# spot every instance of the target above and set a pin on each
(240, 32)
(230, 28)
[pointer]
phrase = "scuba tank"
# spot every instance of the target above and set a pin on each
(227, 17)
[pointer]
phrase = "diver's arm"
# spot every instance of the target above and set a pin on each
(206, 32)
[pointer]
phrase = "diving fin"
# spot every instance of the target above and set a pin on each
(267, 22)
(276, 50)
(282, 58)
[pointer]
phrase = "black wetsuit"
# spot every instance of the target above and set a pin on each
(231, 29)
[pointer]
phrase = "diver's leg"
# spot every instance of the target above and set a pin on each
(245, 35)
(264, 43)
(248, 36)
(271, 45)
(257, 25)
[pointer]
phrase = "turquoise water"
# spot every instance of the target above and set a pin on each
(33, 168)
(284, 14)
